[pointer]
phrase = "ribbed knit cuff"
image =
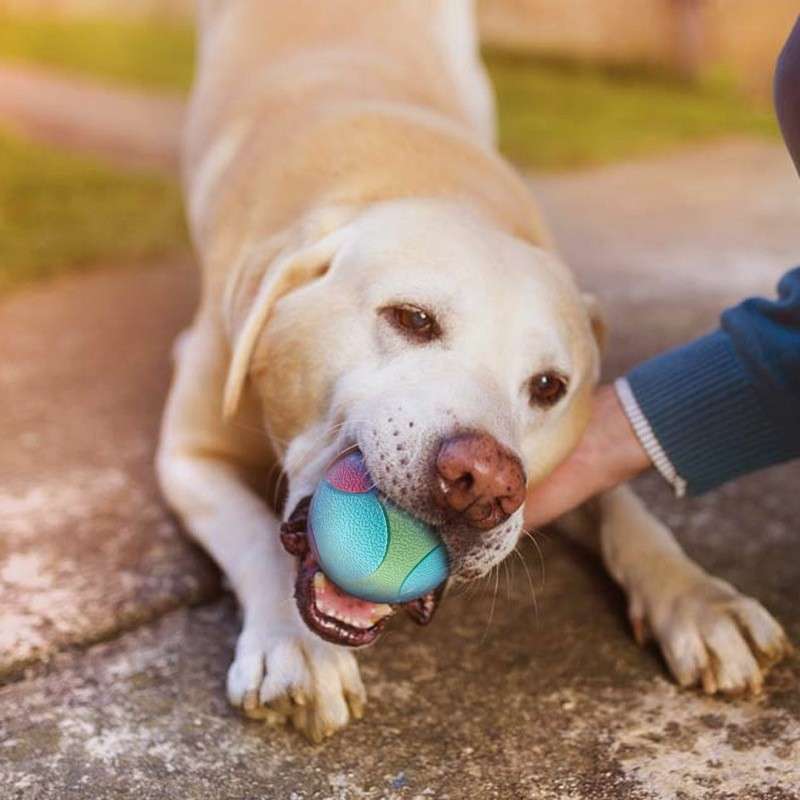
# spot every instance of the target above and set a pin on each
(701, 406)
(647, 439)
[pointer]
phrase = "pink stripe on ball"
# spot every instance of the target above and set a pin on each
(349, 474)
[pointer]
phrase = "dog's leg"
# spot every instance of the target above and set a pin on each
(207, 468)
(708, 632)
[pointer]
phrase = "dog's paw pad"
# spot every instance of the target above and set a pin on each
(315, 686)
(716, 638)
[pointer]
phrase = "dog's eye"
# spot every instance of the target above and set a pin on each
(547, 388)
(414, 322)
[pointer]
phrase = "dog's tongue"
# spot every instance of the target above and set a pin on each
(333, 602)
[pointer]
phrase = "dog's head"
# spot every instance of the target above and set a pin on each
(457, 358)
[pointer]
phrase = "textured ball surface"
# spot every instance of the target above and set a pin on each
(368, 546)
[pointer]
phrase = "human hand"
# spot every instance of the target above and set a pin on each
(608, 454)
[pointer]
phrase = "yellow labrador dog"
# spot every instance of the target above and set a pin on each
(376, 276)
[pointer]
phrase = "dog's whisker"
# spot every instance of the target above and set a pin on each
(507, 571)
(542, 533)
(277, 491)
(276, 467)
(321, 439)
(344, 451)
(474, 588)
(531, 536)
(530, 584)
(314, 447)
(469, 589)
(496, 571)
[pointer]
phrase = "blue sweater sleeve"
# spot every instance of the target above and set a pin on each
(729, 402)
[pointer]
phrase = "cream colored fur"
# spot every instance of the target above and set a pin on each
(338, 158)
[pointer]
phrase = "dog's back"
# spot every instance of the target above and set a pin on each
(422, 51)
(313, 102)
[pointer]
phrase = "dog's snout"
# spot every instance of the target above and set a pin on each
(478, 479)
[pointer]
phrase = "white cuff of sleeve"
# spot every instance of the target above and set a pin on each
(644, 433)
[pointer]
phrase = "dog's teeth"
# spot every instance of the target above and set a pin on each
(380, 611)
(330, 609)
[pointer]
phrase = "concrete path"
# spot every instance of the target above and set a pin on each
(87, 548)
(133, 128)
(666, 243)
(495, 699)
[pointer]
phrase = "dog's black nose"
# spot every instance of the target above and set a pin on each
(478, 479)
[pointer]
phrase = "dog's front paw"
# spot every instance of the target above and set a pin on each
(291, 676)
(709, 633)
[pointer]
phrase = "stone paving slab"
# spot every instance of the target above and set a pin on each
(492, 701)
(87, 548)
(719, 219)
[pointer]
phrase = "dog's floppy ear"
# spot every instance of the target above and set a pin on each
(291, 268)
(596, 320)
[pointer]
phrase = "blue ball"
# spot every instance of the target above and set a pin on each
(368, 546)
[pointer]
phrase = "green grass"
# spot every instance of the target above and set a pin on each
(153, 56)
(557, 114)
(60, 212)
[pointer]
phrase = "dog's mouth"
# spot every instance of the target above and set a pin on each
(332, 613)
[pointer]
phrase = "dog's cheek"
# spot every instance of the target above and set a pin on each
(547, 446)
(293, 379)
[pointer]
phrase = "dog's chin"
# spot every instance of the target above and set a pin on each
(330, 612)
